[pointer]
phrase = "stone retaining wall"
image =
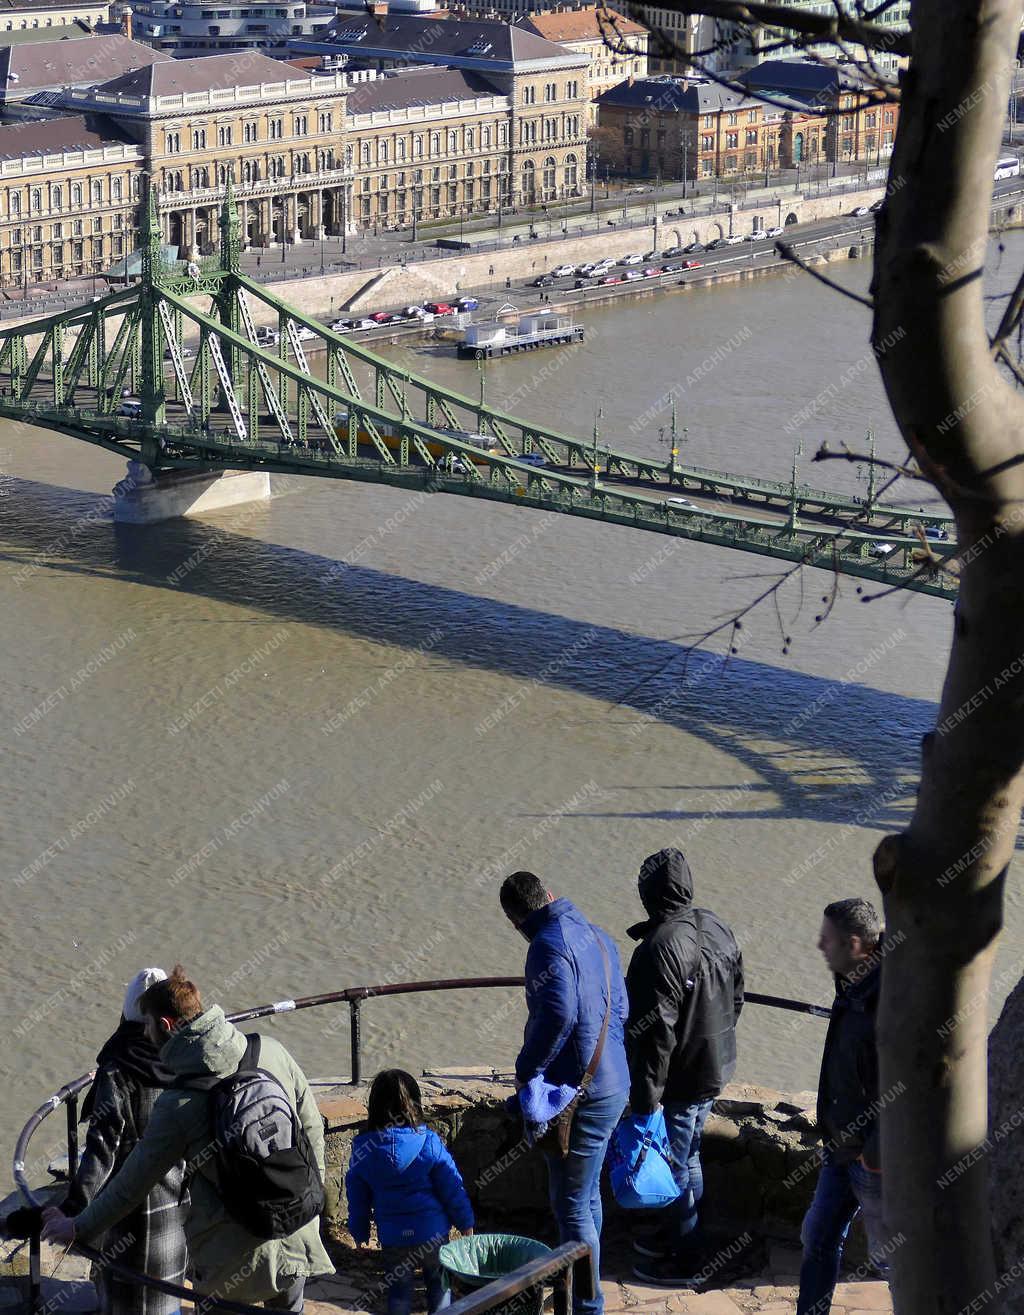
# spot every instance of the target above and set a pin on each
(760, 1160)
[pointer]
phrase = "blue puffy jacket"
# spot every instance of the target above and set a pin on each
(566, 1000)
(407, 1180)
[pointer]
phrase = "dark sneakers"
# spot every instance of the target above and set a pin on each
(683, 1268)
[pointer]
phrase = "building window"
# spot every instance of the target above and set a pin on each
(529, 95)
(550, 91)
(76, 228)
(224, 135)
(731, 120)
(485, 137)
(452, 146)
(627, 136)
(549, 184)
(435, 143)
(364, 152)
(400, 149)
(869, 120)
(15, 204)
(96, 188)
(276, 129)
(707, 143)
(382, 151)
(572, 90)
(326, 121)
(173, 142)
(752, 116)
(571, 173)
(709, 121)
(732, 140)
(35, 200)
(249, 132)
(301, 125)
(730, 164)
(116, 188)
(751, 136)
(58, 232)
(199, 139)
(417, 147)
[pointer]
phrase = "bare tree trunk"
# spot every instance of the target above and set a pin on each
(942, 878)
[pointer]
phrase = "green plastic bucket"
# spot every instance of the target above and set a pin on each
(472, 1262)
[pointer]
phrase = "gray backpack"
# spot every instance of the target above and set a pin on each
(264, 1169)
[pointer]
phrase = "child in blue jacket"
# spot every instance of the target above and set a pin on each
(401, 1172)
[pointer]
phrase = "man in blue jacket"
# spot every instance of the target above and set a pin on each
(567, 998)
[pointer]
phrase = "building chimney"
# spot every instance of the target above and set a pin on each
(379, 8)
(126, 22)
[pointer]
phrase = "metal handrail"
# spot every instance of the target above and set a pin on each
(529, 1275)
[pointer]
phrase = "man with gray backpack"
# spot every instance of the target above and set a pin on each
(241, 1115)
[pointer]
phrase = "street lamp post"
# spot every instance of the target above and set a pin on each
(684, 148)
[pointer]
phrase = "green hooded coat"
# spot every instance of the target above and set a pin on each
(226, 1259)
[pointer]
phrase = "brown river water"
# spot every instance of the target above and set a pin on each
(296, 745)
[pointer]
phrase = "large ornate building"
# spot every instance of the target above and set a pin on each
(276, 131)
(615, 46)
(514, 110)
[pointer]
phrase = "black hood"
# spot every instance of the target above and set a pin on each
(131, 1051)
(665, 885)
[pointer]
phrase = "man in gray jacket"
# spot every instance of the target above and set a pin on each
(227, 1260)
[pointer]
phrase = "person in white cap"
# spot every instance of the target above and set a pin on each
(129, 1078)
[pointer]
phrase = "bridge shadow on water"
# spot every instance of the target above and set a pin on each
(813, 748)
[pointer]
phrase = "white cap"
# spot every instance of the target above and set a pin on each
(141, 982)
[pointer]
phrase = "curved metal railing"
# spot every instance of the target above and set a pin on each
(353, 996)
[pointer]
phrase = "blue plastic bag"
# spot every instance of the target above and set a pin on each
(640, 1163)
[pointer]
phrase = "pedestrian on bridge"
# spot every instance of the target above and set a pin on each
(685, 984)
(573, 1040)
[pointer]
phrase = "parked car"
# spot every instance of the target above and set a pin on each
(439, 308)
(714, 245)
(674, 251)
(652, 271)
(613, 278)
(585, 283)
(936, 532)
(734, 240)
(415, 310)
(777, 231)
(267, 337)
(691, 264)
(634, 191)
(632, 274)
(130, 407)
(588, 268)
(758, 235)
(532, 459)
(381, 317)
(676, 269)
(186, 353)
(468, 303)
(633, 259)
(877, 205)
(363, 323)
(340, 326)
(693, 247)
(563, 271)
(859, 210)
(881, 549)
(544, 281)
(684, 503)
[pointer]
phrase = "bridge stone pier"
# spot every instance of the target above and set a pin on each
(144, 499)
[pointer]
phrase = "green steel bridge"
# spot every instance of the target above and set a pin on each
(239, 400)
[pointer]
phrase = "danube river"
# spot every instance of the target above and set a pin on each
(297, 745)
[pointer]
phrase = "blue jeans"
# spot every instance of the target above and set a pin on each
(574, 1185)
(842, 1190)
(685, 1127)
(401, 1264)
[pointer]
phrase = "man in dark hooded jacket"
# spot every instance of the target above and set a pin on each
(685, 985)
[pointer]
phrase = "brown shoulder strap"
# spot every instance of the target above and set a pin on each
(595, 1058)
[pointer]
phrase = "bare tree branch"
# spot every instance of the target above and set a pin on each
(787, 253)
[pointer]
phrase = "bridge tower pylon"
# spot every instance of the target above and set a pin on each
(230, 258)
(151, 338)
